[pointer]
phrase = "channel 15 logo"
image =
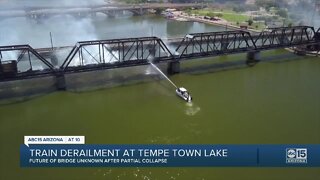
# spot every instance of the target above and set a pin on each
(296, 155)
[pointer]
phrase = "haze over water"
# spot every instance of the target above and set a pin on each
(67, 30)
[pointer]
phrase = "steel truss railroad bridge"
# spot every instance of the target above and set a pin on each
(22, 61)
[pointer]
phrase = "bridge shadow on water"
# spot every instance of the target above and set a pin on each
(21, 99)
(238, 63)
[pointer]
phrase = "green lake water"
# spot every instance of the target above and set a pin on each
(275, 102)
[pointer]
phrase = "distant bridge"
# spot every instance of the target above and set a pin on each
(81, 11)
(115, 53)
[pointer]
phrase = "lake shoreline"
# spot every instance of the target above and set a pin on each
(221, 23)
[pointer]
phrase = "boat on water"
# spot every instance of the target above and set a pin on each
(184, 94)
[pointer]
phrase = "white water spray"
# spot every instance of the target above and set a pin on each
(163, 75)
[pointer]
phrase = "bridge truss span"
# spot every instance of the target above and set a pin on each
(215, 43)
(285, 37)
(230, 42)
(116, 53)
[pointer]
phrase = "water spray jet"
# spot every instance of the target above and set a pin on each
(180, 91)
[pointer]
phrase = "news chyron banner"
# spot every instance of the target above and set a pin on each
(71, 151)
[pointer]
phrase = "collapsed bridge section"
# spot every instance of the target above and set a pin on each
(18, 61)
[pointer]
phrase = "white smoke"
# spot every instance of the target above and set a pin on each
(66, 29)
(305, 12)
(34, 3)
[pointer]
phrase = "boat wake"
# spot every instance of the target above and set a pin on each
(191, 109)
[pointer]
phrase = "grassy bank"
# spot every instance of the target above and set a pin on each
(232, 17)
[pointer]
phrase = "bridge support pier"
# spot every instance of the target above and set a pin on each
(60, 81)
(173, 67)
(253, 57)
